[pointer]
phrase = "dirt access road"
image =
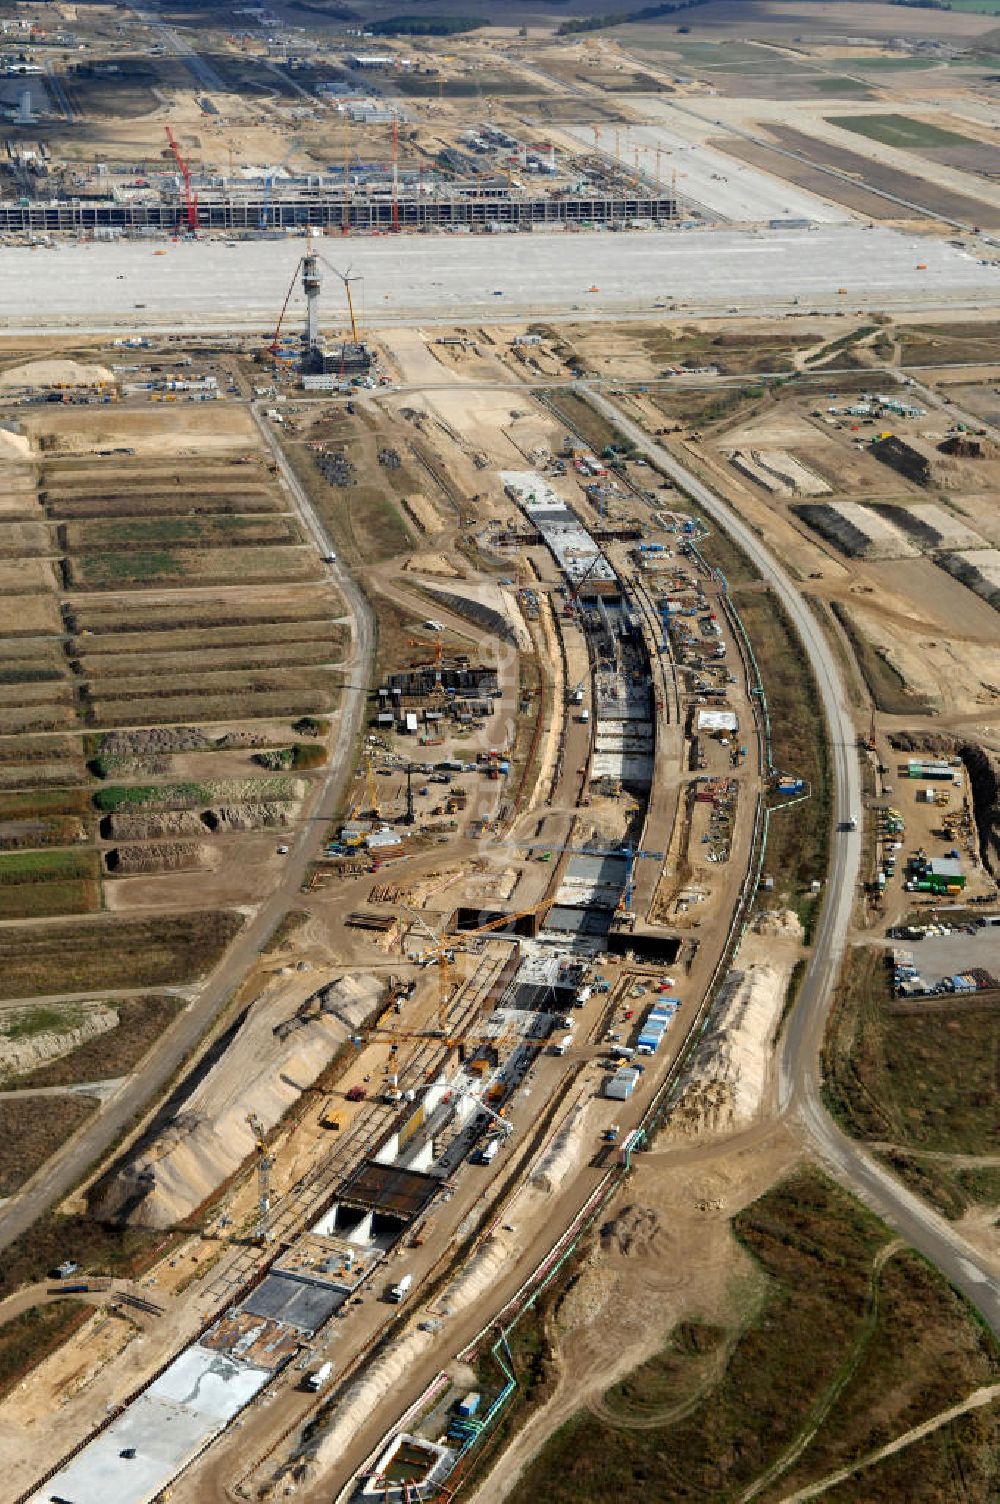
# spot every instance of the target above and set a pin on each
(62, 1173)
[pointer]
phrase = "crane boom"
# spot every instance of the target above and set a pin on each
(347, 279)
(284, 308)
(265, 1163)
(190, 197)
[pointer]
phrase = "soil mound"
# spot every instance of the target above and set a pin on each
(634, 1233)
(56, 373)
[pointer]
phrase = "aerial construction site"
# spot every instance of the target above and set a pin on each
(499, 754)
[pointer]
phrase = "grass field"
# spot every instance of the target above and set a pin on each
(26, 719)
(366, 518)
(365, 521)
(98, 1247)
(32, 1128)
(204, 613)
(899, 130)
(29, 1338)
(151, 533)
(141, 1021)
(839, 86)
(121, 570)
(47, 900)
(44, 802)
(896, 64)
(840, 1347)
(37, 884)
(192, 795)
(52, 830)
(172, 681)
(223, 660)
(198, 639)
(931, 344)
(28, 867)
(74, 957)
(284, 704)
(158, 504)
(924, 1083)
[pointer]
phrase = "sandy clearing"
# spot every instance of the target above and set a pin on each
(56, 373)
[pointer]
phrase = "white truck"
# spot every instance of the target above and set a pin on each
(401, 1289)
(318, 1380)
(562, 1045)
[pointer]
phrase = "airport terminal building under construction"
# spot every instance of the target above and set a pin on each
(329, 210)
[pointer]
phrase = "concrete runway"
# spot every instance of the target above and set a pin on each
(455, 278)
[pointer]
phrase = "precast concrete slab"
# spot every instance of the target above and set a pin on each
(159, 1432)
(196, 284)
(622, 765)
(285, 1298)
(597, 869)
(572, 921)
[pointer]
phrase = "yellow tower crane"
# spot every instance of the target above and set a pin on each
(265, 1163)
(347, 279)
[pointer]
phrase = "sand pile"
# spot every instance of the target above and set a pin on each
(859, 531)
(783, 924)
(263, 1071)
(729, 1072)
(56, 373)
(437, 564)
(354, 1407)
(978, 569)
(14, 446)
(28, 1051)
(561, 1155)
(349, 1001)
(633, 1233)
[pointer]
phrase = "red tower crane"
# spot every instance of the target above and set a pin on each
(190, 197)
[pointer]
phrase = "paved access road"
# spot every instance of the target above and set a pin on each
(799, 1079)
(67, 1170)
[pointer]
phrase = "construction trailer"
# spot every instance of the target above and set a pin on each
(622, 1084)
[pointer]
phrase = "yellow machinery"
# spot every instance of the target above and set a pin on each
(347, 279)
(373, 803)
(444, 948)
(265, 1162)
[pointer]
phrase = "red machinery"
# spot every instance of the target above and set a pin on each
(190, 197)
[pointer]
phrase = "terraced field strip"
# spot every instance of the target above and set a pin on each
(37, 884)
(77, 956)
(165, 564)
